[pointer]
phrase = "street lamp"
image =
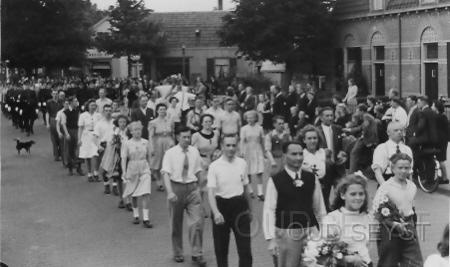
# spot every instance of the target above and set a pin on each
(183, 53)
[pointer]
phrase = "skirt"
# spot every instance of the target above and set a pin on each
(139, 182)
(110, 159)
(88, 148)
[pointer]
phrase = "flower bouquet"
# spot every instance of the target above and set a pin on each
(328, 253)
(388, 214)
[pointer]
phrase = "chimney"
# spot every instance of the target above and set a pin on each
(220, 7)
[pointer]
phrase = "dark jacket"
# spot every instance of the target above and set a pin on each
(138, 115)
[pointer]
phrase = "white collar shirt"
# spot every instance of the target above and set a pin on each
(104, 130)
(315, 163)
(173, 164)
(402, 195)
(328, 132)
(228, 178)
(383, 153)
(399, 115)
(270, 204)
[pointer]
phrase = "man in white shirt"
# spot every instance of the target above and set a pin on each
(103, 100)
(183, 97)
(230, 204)
(181, 168)
(104, 131)
(216, 111)
(294, 207)
(384, 151)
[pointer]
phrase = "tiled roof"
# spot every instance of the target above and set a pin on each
(179, 27)
(351, 7)
(400, 4)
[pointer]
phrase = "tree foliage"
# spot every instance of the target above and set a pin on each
(46, 33)
(296, 32)
(131, 32)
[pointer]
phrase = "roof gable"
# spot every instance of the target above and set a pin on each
(180, 27)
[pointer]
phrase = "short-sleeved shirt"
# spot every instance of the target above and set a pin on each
(228, 178)
(173, 164)
(88, 120)
(315, 163)
(384, 152)
(401, 195)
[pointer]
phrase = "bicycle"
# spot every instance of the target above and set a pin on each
(427, 172)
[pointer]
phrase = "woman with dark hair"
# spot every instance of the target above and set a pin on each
(207, 142)
(342, 115)
(443, 134)
(371, 102)
(86, 140)
(441, 259)
(161, 138)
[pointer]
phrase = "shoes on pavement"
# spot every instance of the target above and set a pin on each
(261, 198)
(147, 224)
(136, 220)
(107, 189)
(90, 179)
(96, 179)
(178, 259)
(70, 172)
(444, 181)
(121, 205)
(252, 195)
(58, 159)
(115, 190)
(199, 260)
(129, 207)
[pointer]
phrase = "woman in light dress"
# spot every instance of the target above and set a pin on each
(161, 138)
(252, 150)
(207, 142)
(86, 139)
(350, 97)
(135, 160)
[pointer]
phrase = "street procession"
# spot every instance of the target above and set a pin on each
(296, 133)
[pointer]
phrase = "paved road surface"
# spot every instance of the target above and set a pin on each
(50, 219)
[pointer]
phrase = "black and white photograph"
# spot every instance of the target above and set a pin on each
(224, 133)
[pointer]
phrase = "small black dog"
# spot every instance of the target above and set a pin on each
(23, 145)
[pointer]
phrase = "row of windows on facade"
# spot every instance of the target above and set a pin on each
(380, 4)
(431, 52)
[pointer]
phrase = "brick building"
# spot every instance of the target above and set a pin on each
(403, 44)
(192, 47)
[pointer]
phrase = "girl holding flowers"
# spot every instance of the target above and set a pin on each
(347, 227)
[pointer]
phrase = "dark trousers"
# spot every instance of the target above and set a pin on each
(57, 149)
(394, 249)
(235, 214)
(361, 156)
(71, 148)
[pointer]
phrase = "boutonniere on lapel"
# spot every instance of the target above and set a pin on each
(298, 183)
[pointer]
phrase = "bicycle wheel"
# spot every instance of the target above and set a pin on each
(427, 175)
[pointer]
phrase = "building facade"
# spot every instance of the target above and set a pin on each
(402, 44)
(192, 48)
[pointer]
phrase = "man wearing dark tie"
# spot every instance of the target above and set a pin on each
(143, 114)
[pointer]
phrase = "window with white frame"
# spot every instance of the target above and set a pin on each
(377, 4)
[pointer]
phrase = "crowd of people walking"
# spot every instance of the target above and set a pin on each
(210, 153)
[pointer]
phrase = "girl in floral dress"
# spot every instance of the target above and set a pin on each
(136, 173)
(161, 138)
(252, 149)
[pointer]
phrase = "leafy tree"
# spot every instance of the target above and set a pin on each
(295, 32)
(45, 33)
(132, 32)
